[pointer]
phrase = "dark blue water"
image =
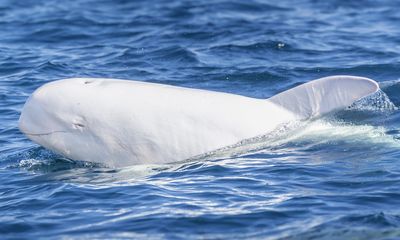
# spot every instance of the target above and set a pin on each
(335, 178)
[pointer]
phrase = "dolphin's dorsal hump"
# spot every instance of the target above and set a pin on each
(324, 95)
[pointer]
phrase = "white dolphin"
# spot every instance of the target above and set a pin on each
(120, 123)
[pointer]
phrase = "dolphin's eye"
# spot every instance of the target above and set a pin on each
(78, 123)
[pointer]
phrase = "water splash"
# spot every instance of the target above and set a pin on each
(40, 161)
(378, 101)
(326, 131)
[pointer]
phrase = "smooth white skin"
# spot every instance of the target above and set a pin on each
(120, 123)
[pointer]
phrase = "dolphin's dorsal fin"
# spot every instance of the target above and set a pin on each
(324, 95)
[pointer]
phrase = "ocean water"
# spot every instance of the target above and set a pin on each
(333, 178)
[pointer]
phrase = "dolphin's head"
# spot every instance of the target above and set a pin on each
(53, 116)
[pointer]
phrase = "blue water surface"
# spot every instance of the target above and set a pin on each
(333, 178)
